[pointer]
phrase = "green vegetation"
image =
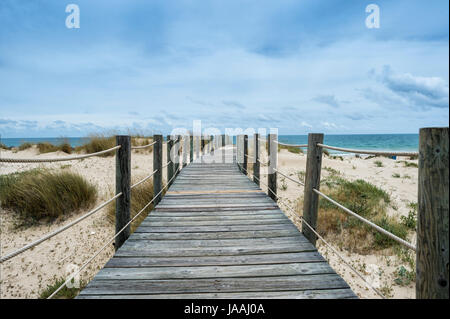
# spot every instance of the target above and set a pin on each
(64, 293)
(292, 149)
(98, 143)
(48, 147)
(365, 199)
(378, 163)
(396, 175)
(40, 193)
(141, 195)
(409, 164)
(404, 276)
(25, 146)
(4, 147)
(410, 221)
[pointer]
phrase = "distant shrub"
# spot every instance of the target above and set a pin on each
(25, 146)
(98, 143)
(291, 149)
(378, 163)
(40, 193)
(4, 147)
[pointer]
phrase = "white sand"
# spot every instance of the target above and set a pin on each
(27, 275)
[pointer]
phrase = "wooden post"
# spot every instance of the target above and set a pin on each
(123, 181)
(239, 152)
(191, 149)
(157, 165)
(432, 263)
(185, 150)
(170, 165)
(211, 142)
(245, 153)
(312, 180)
(256, 166)
(273, 161)
(222, 140)
(177, 153)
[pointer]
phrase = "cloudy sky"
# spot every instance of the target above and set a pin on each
(150, 66)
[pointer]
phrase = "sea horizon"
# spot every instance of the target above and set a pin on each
(390, 142)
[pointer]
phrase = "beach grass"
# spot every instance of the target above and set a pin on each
(64, 293)
(140, 196)
(98, 143)
(40, 193)
(365, 199)
(292, 149)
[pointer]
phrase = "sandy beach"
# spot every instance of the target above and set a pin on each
(25, 276)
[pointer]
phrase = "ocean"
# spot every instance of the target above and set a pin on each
(388, 142)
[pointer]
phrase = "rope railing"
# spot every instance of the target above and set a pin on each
(295, 181)
(110, 240)
(325, 242)
(143, 180)
(292, 145)
(56, 232)
(371, 224)
(143, 146)
(56, 159)
(368, 152)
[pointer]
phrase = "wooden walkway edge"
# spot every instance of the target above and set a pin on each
(216, 234)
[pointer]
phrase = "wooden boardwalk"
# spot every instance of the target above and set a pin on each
(216, 234)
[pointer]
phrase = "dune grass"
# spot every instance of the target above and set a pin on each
(25, 146)
(292, 149)
(140, 196)
(4, 147)
(365, 199)
(98, 143)
(64, 293)
(39, 193)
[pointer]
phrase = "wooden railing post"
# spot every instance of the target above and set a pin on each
(239, 151)
(157, 165)
(123, 181)
(273, 162)
(177, 151)
(211, 141)
(432, 263)
(256, 166)
(191, 149)
(312, 180)
(245, 153)
(170, 165)
(185, 150)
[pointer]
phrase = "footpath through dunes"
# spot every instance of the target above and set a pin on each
(216, 234)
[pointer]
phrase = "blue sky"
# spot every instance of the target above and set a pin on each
(150, 66)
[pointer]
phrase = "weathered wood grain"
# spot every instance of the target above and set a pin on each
(216, 234)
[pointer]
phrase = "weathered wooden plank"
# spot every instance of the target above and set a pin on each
(218, 235)
(213, 251)
(293, 294)
(282, 283)
(136, 241)
(194, 272)
(215, 234)
(196, 229)
(135, 262)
